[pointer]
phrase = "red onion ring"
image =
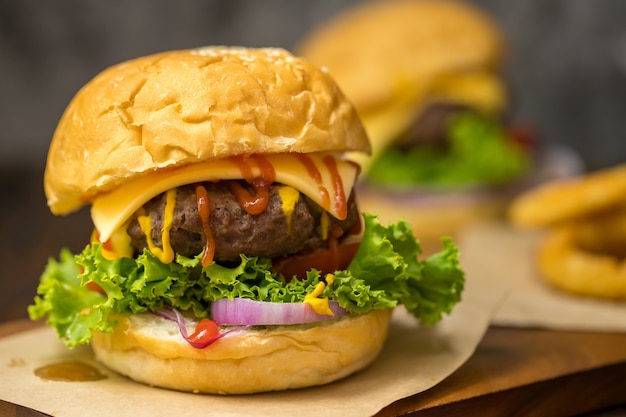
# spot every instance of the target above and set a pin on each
(243, 311)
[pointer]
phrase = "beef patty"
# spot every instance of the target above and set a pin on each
(431, 127)
(234, 230)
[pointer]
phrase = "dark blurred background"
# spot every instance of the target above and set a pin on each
(567, 68)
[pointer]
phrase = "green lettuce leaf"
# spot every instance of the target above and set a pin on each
(479, 152)
(387, 261)
(74, 311)
(385, 273)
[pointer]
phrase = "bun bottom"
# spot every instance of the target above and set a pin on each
(150, 350)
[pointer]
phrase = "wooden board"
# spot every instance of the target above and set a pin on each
(530, 372)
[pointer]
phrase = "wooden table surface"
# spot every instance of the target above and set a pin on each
(514, 372)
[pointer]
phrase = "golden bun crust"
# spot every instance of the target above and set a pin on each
(183, 107)
(393, 57)
(150, 350)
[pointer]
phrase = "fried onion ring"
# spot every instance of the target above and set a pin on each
(605, 234)
(570, 199)
(565, 262)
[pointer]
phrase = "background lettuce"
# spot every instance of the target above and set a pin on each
(479, 152)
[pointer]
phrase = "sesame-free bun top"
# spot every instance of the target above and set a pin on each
(189, 106)
(392, 57)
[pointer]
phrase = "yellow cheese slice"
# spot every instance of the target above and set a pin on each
(110, 211)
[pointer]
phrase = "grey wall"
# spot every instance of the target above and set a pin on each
(567, 66)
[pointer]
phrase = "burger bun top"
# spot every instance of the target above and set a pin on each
(183, 107)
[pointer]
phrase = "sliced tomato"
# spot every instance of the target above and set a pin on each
(326, 260)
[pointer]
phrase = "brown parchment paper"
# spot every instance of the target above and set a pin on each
(413, 360)
(497, 253)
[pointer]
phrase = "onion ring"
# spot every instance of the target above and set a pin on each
(566, 265)
(605, 233)
(243, 311)
(570, 199)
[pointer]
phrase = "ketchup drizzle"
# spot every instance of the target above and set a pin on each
(204, 210)
(257, 203)
(310, 167)
(317, 177)
(340, 198)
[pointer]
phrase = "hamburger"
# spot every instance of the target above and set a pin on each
(228, 254)
(425, 77)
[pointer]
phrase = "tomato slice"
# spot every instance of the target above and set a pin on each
(326, 260)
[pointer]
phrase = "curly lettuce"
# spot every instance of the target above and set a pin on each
(384, 273)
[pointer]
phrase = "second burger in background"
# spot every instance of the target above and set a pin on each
(426, 78)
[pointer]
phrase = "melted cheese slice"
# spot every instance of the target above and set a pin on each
(110, 211)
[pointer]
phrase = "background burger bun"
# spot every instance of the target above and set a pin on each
(183, 107)
(149, 349)
(392, 58)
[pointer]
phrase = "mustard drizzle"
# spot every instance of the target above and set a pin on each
(166, 253)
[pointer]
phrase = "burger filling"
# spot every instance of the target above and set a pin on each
(451, 145)
(290, 223)
(431, 127)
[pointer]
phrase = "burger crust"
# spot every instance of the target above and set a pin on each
(149, 349)
(189, 106)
